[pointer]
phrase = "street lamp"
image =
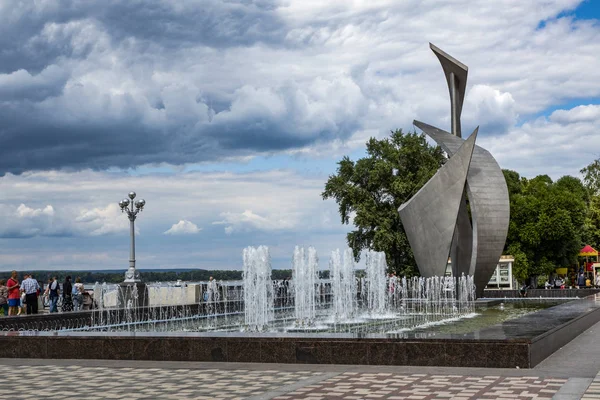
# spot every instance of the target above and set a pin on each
(132, 275)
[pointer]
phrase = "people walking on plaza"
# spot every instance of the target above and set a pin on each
(77, 294)
(54, 291)
(14, 295)
(3, 297)
(31, 288)
(46, 295)
(67, 295)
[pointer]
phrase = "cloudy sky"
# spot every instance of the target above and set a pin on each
(228, 116)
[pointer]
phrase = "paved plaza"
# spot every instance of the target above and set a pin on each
(570, 373)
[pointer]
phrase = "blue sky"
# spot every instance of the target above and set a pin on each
(228, 117)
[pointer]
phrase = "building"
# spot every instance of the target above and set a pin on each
(502, 278)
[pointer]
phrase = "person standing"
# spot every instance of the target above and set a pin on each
(77, 294)
(14, 297)
(3, 296)
(67, 295)
(54, 291)
(581, 281)
(31, 288)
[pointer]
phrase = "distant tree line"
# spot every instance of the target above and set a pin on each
(147, 275)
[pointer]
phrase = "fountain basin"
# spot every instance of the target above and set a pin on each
(523, 342)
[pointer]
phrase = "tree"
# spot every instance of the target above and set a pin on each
(591, 179)
(546, 223)
(370, 191)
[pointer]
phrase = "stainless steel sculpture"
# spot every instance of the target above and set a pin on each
(474, 249)
(429, 217)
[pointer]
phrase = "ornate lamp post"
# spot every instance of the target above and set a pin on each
(127, 206)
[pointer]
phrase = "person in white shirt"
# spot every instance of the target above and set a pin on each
(31, 288)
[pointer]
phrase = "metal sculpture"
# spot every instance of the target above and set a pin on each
(477, 243)
(430, 215)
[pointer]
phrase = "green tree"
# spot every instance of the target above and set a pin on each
(369, 192)
(546, 223)
(591, 179)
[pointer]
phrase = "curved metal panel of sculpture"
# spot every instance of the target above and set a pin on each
(490, 207)
(429, 217)
(456, 76)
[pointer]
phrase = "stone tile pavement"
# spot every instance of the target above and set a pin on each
(593, 391)
(78, 381)
(569, 374)
(89, 379)
(353, 385)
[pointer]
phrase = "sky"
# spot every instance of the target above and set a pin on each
(227, 117)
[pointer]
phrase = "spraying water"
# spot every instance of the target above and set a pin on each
(258, 288)
(304, 280)
(343, 285)
(376, 269)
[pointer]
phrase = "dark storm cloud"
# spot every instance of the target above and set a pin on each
(30, 38)
(125, 83)
(212, 23)
(90, 85)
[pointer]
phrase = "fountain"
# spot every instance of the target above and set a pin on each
(304, 283)
(301, 320)
(258, 288)
(382, 304)
(343, 285)
(375, 282)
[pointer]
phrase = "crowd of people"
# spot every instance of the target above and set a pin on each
(19, 297)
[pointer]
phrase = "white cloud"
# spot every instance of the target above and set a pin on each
(583, 114)
(25, 212)
(494, 111)
(558, 145)
(25, 222)
(248, 221)
(279, 208)
(102, 221)
(183, 227)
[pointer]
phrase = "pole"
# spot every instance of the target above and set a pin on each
(132, 247)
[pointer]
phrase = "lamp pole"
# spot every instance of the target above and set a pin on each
(127, 206)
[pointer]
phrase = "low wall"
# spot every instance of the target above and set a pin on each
(498, 293)
(290, 350)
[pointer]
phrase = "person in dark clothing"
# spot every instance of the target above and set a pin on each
(53, 293)
(523, 290)
(581, 281)
(67, 299)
